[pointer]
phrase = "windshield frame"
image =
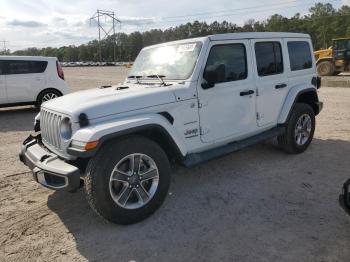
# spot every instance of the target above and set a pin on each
(198, 41)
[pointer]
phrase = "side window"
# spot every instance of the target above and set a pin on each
(229, 61)
(18, 67)
(25, 67)
(38, 66)
(299, 55)
(2, 68)
(269, 58)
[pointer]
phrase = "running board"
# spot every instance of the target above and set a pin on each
(196, 158)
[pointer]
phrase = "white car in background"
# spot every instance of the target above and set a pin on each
(30, 80)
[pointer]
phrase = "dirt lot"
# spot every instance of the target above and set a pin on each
(259, 204)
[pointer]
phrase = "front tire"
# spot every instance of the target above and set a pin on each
(127, 180)
(325, 68)
(299, 129)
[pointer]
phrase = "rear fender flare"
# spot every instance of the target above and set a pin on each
(291, 99)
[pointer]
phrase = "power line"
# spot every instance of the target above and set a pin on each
(228, 13)
(326, 16)
(239, 9)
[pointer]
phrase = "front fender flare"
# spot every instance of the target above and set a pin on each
(124, 126)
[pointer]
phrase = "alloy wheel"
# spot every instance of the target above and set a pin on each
(134, 181)
(303, 129)
(48, 96)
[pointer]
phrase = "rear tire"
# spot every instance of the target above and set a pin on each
(113, 171)
(325, 68)
(47, 95)
(299, 129)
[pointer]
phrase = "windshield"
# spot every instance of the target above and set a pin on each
(175, 61)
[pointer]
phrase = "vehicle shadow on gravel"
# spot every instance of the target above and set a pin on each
(17, 119)
(258, 204)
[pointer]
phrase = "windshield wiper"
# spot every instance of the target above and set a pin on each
(160, 77)
(136, 78)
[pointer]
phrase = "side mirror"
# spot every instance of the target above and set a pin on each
(213, 75)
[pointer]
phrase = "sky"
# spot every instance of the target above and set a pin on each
(42, 23)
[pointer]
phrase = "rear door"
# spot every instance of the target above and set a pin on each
(271, 79)
(24, 80)
(227, 110)
(3, 96)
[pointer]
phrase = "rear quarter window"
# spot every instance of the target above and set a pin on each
(299, 55)
(25, 67)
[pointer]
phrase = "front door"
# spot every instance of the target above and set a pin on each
(227, 107)
(271, 80)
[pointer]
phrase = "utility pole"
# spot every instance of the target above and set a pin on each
(4, 45)
(99, 35)
(105, 28)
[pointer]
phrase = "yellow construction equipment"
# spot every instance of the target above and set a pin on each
(335, 59)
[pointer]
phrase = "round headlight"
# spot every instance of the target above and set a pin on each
(66, 128)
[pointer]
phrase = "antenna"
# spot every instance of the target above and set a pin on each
(106, 28)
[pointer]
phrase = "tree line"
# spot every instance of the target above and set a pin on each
(323, 23)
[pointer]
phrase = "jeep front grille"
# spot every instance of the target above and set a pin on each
(50, 128)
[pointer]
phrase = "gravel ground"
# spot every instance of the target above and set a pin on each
(258, 204)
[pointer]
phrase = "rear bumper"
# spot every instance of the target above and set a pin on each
(344, 197)
(48, 169)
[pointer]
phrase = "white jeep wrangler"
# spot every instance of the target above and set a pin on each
(182, 102)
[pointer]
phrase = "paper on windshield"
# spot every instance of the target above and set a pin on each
(186, 47)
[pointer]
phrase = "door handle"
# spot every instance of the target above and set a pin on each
(246, 93)
(279, 86)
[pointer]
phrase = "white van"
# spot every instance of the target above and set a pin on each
(30, 80)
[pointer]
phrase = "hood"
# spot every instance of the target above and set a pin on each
(100, 102)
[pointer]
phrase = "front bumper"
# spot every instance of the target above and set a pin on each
(48, 169)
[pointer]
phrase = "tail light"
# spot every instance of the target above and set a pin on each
(59, 70)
